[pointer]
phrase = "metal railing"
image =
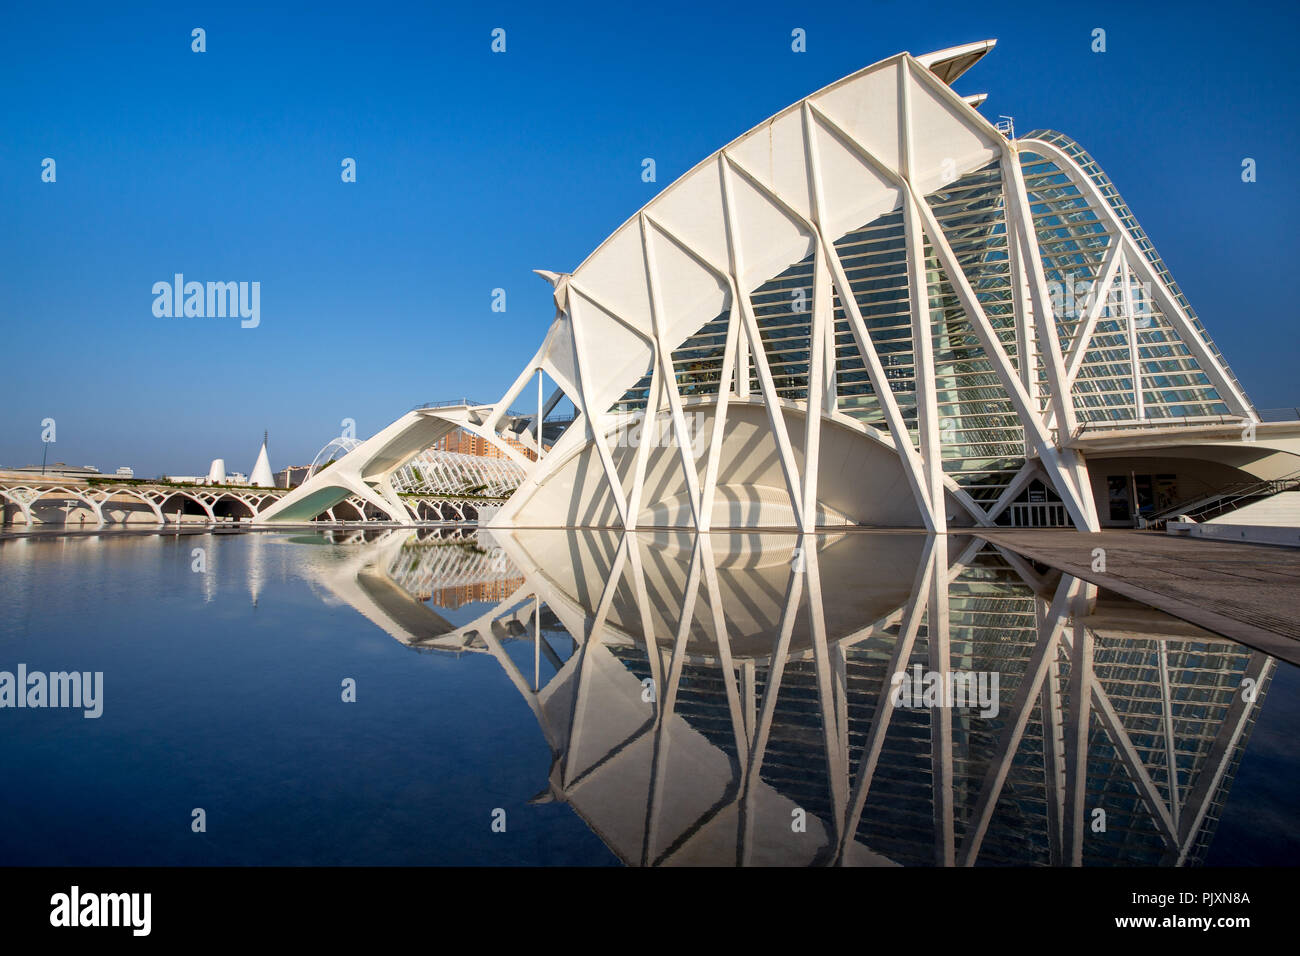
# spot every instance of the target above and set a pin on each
(1136, 424)
(1039, 514)
(1265, 415)
(469, 402)
(1225, 499)
(449, 403)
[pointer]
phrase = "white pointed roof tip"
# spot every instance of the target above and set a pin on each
(951, 63)
(262, 476)
(972, 51)
(552, 277)
(560, 283)
(976, 99)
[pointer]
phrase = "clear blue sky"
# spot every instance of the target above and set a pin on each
(475, 168)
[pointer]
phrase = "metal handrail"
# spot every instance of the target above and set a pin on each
(449, 403)
(1133, 423)
(1229, 494)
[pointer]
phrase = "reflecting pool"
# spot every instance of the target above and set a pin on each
(594, 697)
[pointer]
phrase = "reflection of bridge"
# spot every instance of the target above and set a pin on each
(771, 693)
(50, 502)
(380, 578)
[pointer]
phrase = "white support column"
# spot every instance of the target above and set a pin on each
(541, 376)
(667, 702)
(979, 323)
(821, 320)
(830, 386)
(642, 591)
(1077, 725)
(763, 731)
(721, 409)
(649, 421)
(732, 348)
(1026, 342)
(1167, 719)
(1130, 324)
(927, 411)
(911, 461)
(1044, 653)
(669, 374)
(516, 388)
(742, 367)
(1049, 703)
(1020, 218)
(941, 766)
(828, 695)
(775, 413)
(594, 635)
(596, 426)
(926, 570)
(725, 661)
(537, 643)
(1067, 469)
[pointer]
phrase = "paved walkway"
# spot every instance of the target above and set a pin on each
(1249, 593)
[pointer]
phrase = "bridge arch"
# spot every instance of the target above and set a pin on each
(165, 499)
(232, 505)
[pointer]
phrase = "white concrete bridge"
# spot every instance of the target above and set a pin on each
(33, 503)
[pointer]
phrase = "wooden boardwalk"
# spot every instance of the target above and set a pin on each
(1249, 593)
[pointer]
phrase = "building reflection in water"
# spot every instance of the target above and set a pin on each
(730, 698)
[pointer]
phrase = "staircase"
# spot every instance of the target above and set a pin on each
(1224, 500)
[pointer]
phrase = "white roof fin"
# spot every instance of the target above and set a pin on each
(951, 63)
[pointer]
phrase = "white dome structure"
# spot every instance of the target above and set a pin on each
(217, 472)
(262, 476)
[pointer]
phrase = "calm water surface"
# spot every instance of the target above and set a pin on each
(648, 699)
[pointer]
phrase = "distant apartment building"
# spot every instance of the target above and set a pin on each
(467, 443)
(291, 477)
(458, 595)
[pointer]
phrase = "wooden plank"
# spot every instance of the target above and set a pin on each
(1248, 593)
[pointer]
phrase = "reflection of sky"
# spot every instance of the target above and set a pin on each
(235, 708)
(1258, 826)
